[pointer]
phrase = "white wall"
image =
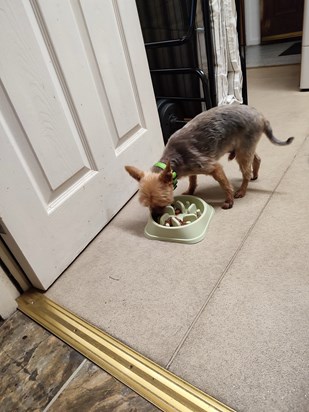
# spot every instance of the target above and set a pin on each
(252, 22)
(304, 76)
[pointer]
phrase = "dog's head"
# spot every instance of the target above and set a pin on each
(155, 189)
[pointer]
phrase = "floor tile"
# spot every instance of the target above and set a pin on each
(148, 293)
(34, 365)
(250, 347)
(269, 55)
(92, 389)
(151, 294)
(39, 372)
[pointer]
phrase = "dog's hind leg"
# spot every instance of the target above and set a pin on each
(219, 175)
(192, 185)
(255, 166)
(245, 161)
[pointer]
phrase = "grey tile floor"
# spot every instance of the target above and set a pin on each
(228, 314)
(31, 377)
(269, 55)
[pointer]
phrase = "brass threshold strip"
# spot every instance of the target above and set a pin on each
(154, 383)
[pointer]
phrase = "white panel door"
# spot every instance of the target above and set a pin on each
(76, 106)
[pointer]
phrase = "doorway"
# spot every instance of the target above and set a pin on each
(281, 20)
(273, 33)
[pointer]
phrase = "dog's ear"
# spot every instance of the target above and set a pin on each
(135, 172)
(166, 175)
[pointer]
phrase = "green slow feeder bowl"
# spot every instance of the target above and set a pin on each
(190, 233)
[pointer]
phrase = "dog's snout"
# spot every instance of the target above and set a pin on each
(157, 212)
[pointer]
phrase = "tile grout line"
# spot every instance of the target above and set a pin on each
(231, 261)
(63, 387)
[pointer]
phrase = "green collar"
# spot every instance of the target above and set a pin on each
(162, 166)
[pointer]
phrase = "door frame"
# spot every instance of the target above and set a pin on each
(8, 295)
(13, 281)
(7, 258)
(252, 22)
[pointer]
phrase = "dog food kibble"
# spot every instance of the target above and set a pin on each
(178, 214)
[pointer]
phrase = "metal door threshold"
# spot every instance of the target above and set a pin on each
(154, 383)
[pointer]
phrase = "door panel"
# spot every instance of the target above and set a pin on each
(38, 99)
(114, 63)
(76, 106)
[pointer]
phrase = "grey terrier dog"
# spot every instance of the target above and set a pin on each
(197, 147)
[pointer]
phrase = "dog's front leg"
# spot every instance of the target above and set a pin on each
(192, 185)
(219, 175)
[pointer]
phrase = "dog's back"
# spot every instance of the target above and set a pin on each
(197, 147)
(218, 131)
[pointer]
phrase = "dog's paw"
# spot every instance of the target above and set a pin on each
(239, 193)
(228, 204)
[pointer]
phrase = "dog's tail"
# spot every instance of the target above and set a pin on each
(269, 133)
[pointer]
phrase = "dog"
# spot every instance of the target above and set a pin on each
(196, 148)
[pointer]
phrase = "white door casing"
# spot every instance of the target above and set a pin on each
(76, 106)
(8, 295)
